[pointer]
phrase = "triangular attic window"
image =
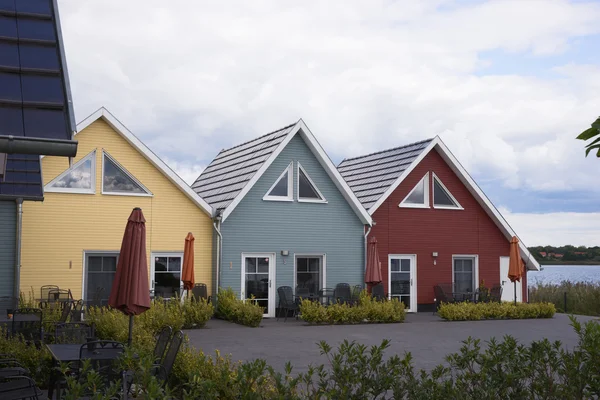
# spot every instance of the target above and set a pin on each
(307, 190)
(442, 198)
(80, 178)
(282, 188)
(419, 196)
(116, 179)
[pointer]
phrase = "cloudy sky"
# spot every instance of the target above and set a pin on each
(506, 84)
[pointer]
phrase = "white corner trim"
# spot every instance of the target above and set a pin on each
(117, 126)
(425, 181)
(126, 172)
(457, 207)
(290, 192)
(314, 186)
(91, 155)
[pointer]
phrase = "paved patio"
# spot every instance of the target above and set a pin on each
(427, 337)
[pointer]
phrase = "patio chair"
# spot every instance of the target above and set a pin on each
(161, 343)
(44, 291)
(302, 293)
(97, 298)
(27, 322)
(440, 297)
(200, 291)
(72, 333)
(342, 293)
(326, 296)
(103, 355)
(378, 292)
(19, 387)
(76, 311)
(166, 365)
(66, 311)
(496, 293)
(59, 297)
(286, 302)
(355, 294)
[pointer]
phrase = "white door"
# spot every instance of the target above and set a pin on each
(258, 280)
(402, 279)
(165, 274)
(508, 288)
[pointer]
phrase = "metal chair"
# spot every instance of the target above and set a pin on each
(161, 343)
(19, 387)
(326, 296)
(72, 333)
(97, 298)
(378, 292)
(355, 293)
(302, 293)
(165, 367)
(76, 311)
(27, 322)
(103, 355)
(342, 293)
(59, 296)
(200, 291)
(286, 302)
(44, 291)
(496, 293)
(66, 311)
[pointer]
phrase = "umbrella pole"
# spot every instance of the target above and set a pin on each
(515, 283)
(129, 340)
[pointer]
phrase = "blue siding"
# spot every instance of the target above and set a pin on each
(8, 226)
(269, 226)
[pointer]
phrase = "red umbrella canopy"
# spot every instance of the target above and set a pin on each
(515, 264)
(187, 275)
(373, 272)
(130, 291)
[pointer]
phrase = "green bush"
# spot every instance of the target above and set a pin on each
(37, 361)
(467, 311)
(582, 297)
(368, 310)
(230, 308)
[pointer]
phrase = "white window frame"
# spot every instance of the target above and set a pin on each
(475, 258)
(322, 200)
(153, 256)
(87, 253)
(272, 280)
(290, 192)
(413, 277)
(425, 181)
(457, 207)
(92, 155)
(322, 270)
(147, 194)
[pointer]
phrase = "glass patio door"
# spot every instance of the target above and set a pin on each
(165, 274)
(258, 283)
(402, 280)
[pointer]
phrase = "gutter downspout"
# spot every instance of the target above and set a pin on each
(17, 288)
(366, 244)
(217, 227)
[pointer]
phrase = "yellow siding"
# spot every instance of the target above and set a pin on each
(57, 231)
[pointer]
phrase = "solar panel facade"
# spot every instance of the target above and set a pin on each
(35, 99)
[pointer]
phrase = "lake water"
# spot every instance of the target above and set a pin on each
(559, 273)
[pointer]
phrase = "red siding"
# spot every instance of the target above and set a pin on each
(448, 232)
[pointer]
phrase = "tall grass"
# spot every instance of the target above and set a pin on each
(582, 298)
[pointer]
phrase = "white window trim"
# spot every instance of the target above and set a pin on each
(457, 207)
(475, 258)
(153, 256)
(323, 270)
(305, 200)
(271, 309)
(92, 155)
(413, 275)
(290, 193)
(87, 253)
(425, 181)
(147, 194)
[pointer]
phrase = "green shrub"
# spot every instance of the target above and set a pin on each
(37, 361)
(196, 313)
(467, 311)
(368, 310)
(582, 297)
(230, 308)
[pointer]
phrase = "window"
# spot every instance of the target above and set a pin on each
(465, 274)
(100, 270)
(282, 188)
(80, 178)
(166, 279)
(442, 198)
(309, 274)
(116, 180)
(419, 195)
(307, 190)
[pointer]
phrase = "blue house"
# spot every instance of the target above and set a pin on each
(285, 217)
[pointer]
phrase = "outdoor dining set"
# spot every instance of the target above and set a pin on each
(451, 293)
(69, 339)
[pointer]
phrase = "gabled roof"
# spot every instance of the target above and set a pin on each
(370, 176)
(117, 126)
(231, 175)
(371, 162)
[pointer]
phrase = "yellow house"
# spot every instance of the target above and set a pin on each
(73, 238)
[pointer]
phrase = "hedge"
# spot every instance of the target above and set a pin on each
(467, 311)
(368, 310)
(231, 308)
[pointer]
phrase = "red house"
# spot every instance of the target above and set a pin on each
(433, 224)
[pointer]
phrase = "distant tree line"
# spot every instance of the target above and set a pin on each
(566, 253)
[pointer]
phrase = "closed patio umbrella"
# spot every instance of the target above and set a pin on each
(130, 291)
(373, 272)
(515, 264)
(187, 273)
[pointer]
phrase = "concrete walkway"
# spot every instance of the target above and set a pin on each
(427, 337)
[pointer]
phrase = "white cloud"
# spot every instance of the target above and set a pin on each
(186, 171)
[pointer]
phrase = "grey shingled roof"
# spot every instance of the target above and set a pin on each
(230, 171)
(371, 175)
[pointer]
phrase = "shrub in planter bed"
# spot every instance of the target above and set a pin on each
(506, 310)
(231, 308)
(368, 310)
